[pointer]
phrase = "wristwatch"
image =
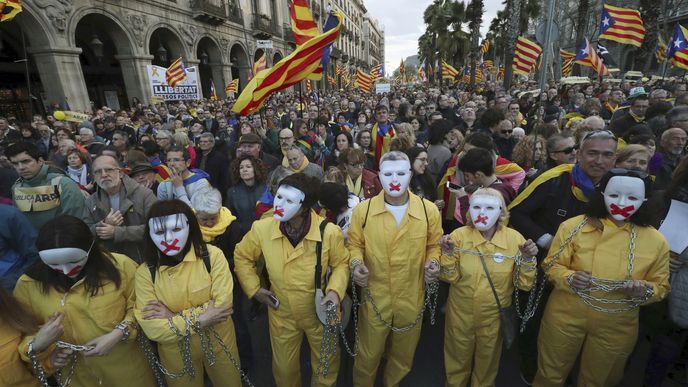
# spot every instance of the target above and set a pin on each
(124, 327)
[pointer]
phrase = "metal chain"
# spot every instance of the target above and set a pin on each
(231, 358)
(429, 302)
(355, 304)
(540, 285)
(328, 344)
(40, 372)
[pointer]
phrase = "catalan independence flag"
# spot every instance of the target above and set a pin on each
(176, 73)
(448, 71)
(567, 59)
(587, 56)
(421, 73)
(525, 56)
(378, 72)
(305, 28)
(622, 25)
(661, 52)
(678, 49)
(485, 47)
(213, 93)
(232, 86)
(9, 9)
(292, 69)
(261, 64)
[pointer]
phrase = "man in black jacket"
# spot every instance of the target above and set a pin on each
(557, 195)
(213, 162)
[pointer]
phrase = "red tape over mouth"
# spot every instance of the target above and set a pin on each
(481, 219)
(170, 246)
(625, 211)
(394, 187)
(279, 212)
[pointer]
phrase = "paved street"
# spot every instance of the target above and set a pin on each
(428, 368)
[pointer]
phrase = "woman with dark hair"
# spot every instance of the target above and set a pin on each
(79, 170)
(421, 182)
(31, 134)
(364, 139)
(91, 292)
(341, 142)
(288, 242)
(361, 124)
(249, 178)
(360, 181)
(184, 296)
(603, 265)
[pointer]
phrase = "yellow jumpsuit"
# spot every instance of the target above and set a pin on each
(570, 327)
(472, 335)
(187, 288)
(395, 258)
(87, 317)
(292, 271)
(13, 371)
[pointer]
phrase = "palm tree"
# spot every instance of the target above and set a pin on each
(443, 38)
(649, 11)
(514, 11)
(474, 14)
(530, 10)
(581, 25)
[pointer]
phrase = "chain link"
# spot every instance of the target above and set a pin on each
(430, 302)
(73, 358)
(328, 344)
(227, 352)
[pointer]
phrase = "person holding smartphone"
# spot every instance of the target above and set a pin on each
(288, 243)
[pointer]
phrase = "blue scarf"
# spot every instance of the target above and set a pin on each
(582, 181)
(382, 129)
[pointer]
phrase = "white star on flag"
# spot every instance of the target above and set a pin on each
(605, 21)
(677, 43)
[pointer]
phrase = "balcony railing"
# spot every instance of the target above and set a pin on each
(263, 26)
(209, 11)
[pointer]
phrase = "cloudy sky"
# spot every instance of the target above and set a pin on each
(403, 23)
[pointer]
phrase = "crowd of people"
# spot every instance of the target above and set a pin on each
(137, 246)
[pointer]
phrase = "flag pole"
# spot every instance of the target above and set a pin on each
(301, 99)
(26, 72)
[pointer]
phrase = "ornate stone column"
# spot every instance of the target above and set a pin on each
(62, 76)
(135, 74)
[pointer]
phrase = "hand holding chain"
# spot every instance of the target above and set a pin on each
(40, 372)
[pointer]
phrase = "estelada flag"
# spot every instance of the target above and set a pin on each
(292, 69)
(176, 73)
(525, 56)
(448, 71)
(9, 9)
(622, 25)
(587, 56)
(232, 86)
(678, 49)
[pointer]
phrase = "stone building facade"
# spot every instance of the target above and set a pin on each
(87, 52)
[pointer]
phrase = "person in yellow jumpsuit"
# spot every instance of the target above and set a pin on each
(182, 291)
(90, 292)
(15, 321)
(615, 239)
(396, 256)
(288, 243)
(472, 335)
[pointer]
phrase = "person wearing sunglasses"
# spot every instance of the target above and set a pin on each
(561, 149)
(553, 197)
(603, 265)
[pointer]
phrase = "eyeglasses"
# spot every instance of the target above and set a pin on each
(628, 172)
(357, 165)
(568, 150)
(105, 171)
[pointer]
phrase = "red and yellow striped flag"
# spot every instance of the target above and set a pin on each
(304, 28)
(9, 9)
(260, 65)
(363, 81)
(294, 68)
(309, 87)
(661, 52)
(587, 56)
(376, 72)
(176, 73)
(567, 59)
(421, 74)
(525, 56)
(232, 86)
(485, 47)
(448, 72)
(622, 25)
(332, 80)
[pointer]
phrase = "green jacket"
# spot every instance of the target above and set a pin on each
(47, 195)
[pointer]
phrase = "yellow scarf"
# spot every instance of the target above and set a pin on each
(546, 176)
(304, 164)
(223, 221)
(354, 186)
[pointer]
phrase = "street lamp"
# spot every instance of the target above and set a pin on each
(96, 46)
(161, 52)
(204, 58)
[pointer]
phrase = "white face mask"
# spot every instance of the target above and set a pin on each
(66, 260)
(169, 233)
(395, 176)
(288, 201)
(623, 196)
(485, 211)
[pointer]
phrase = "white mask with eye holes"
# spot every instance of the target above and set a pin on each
(288, 201)
(395, 176)
(66, 260)
(485, 211)
(623, 196)
(169, 233)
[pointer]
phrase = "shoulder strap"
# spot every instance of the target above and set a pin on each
(365, 220)
(318, 256)
(206, 257)
(427, 221)
(487, 274)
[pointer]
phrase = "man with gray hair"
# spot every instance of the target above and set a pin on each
(672, 145)
(88, 140)
(117, 211)
(298, 162)
(677, 117)
(396, 260)
(213, 162)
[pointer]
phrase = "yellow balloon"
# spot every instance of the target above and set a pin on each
(59, 115)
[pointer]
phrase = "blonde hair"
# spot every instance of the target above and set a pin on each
(629, 150)
(181, 139)
(504, 213)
